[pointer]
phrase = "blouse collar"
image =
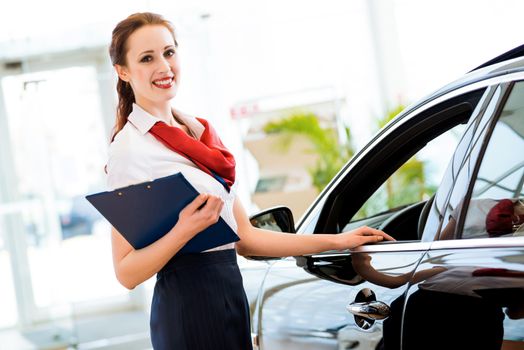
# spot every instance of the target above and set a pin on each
(144, 121)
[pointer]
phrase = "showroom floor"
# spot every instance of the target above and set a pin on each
(118, 331)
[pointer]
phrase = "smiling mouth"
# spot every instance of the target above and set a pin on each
(164, 83)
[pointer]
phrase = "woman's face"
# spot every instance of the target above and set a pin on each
(152, 66)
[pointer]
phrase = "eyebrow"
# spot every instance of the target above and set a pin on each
(151, 51)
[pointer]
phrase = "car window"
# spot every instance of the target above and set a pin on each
(390, 185)
(458, 174)
(496, 208)
(416, 180)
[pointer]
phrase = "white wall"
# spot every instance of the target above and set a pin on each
(248, 48)
(377, 53)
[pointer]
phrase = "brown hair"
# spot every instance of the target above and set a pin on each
(117, 52)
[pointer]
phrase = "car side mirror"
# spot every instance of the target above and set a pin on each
(279, 219)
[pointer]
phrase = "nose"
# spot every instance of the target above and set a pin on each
(164, 65)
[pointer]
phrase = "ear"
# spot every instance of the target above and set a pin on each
(122, 72)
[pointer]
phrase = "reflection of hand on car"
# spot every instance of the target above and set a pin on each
(460, 280)
(362, 264)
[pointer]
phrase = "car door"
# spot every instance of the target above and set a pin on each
(468, 290)
(310, 310)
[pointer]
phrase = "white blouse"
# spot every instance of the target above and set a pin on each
(136, 156)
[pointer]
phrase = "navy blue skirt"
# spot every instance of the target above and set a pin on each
(199, 303)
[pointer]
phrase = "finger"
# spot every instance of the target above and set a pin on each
(375, 232)
(213, 203)
(198, 202)
(386, 236)
(214, 208)
(219, 205)
(373, 239)
(219, 209)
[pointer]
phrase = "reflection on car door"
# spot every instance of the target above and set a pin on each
(475, 292)
(304, 312)
(473, 299)
(299, 311)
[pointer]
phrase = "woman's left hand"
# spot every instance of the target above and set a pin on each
(360, 236)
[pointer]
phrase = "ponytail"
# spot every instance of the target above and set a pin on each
(126, 98)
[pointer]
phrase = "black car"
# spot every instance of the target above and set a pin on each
(454, 277)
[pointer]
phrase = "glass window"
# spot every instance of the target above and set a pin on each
(455, 182)
(397, 205)
(496, 208)
(461, 159)
(416, 180)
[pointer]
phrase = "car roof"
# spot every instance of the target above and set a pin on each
(509, 62)
(508, 55)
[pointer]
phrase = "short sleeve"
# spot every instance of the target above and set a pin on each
(124, 168)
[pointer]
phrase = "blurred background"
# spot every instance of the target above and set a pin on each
(294, 88)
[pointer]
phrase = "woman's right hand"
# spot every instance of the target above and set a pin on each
(201, 213)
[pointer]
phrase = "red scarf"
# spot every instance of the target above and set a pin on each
(208, 153)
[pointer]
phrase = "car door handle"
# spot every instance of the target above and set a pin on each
(375, 310)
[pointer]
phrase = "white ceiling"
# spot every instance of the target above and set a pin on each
(32, 27)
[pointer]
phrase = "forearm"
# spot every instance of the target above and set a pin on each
(141, 264)
(258, 242)
(261, 242)
(133, 267)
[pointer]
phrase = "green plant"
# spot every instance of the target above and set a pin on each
(407, 185)
(331, 155)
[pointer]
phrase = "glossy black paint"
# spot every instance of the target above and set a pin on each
(442, 292)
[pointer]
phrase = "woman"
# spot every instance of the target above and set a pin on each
(199, 301)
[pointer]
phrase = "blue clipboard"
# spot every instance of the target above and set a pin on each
(145, 212)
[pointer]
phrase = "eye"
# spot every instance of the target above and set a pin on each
(169, 53)
(146, 58)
